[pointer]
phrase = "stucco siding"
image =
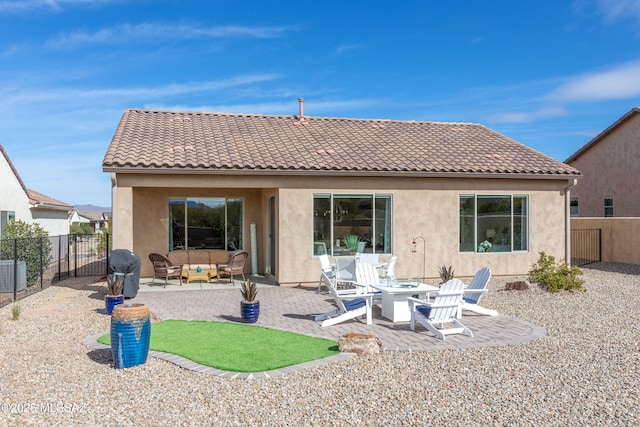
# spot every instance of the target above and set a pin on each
(12, 195)
(610, 167)
(426, 207)
(619, 237)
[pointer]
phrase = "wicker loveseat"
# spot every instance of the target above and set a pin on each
(192, 259)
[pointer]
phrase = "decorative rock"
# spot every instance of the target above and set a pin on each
(360, 344)
(517, 286)
(154, 317)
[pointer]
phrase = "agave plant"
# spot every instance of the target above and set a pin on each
(249, 291)
(351, 242)
(446, 274)
(115, 285)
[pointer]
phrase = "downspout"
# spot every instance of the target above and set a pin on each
(567, 232)
(114, 210)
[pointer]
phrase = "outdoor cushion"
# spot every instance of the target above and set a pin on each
(355, 303)
(424, 309)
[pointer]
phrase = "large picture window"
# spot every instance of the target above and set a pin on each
(493, 223)
(205, 223)
(363, 218)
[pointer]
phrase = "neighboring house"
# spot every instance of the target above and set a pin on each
(610, 163)
(97, 220)
(208, 180)
(22, 204)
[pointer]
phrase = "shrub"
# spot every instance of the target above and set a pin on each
(556, 276)
(16, 309)
(32, 240)
(104, 244)
(446, 274)
(82, 229)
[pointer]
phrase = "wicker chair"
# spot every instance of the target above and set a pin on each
(233, 266)
(164, 269)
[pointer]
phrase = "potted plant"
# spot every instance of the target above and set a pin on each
(114, 293)
(249, 307)
(446, 274)
(351, 243)
(484, 246)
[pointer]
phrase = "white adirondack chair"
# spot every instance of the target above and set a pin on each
(325, 267)
(345, 309)
(389, 270)
(368, 257)
(443, 310)
(367, 275)
(345, 272)
(473, 293)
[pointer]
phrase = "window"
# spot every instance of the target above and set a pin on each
(336, 216)
(205, 223)
(493, 223)
(5, 218)
(573, 206)
(608, 206)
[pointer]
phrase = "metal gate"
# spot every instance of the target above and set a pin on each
(89, 254)
(586, 246)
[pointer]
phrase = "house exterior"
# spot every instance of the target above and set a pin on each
(610, 163)
(287, 188)
(22, 204)
(97, 220)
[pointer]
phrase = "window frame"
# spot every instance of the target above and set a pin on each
(512, 222)
(374, 197)
(226, 233)
(574, 202)
(608, 207)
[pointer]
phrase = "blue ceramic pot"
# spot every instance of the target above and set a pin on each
(130, 335)
(250, 311)
(111, 301)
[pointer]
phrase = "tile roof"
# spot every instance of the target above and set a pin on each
(39, 199)
(216, 142)
(35, 198)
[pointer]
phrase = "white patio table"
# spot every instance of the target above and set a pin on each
(395, 306)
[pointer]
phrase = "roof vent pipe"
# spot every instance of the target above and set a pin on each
(301, 115)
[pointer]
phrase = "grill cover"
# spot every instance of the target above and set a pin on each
(126, 263)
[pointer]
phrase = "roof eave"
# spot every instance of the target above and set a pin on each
(48, 206)
(329, 172)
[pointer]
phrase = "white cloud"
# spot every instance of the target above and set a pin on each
(527, 117)
(37, 95)
(620, 82)
(614, 10)
(17, 6)
(156, 32)
(346, 47)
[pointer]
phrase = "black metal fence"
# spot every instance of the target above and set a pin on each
(31, 265)
(586, 246)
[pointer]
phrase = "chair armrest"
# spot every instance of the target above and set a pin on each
(473, 291)
(418, 300)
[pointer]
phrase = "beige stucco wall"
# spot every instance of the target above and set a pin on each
(619, 237)
(610, 167)
(12, 196)
(426, 207)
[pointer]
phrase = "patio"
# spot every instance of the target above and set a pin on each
(294, 308)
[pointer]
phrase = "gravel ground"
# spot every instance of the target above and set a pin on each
(585, 371)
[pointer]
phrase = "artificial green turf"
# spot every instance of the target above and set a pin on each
(235, 347)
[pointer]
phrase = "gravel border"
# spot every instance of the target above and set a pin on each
(585, 371)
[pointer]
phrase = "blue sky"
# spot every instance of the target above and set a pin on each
(551, 74)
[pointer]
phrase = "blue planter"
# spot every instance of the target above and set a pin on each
(130, 335)
(111, 301)
(250, 311)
